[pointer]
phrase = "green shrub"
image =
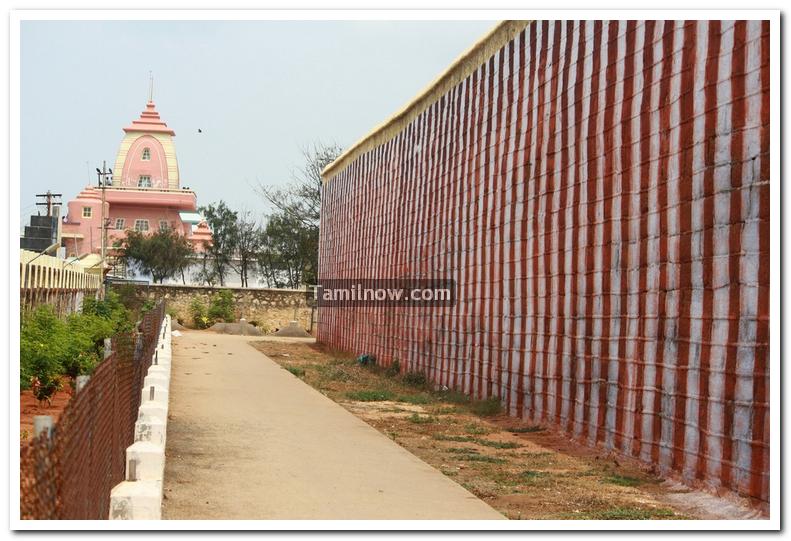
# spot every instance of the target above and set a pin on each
(42, 344)
(112, 309)
(148, 305)
(198, 314)
(394, 369)
(415, 379)
(221, 307)
(51, 347)
(85, 343)
(173, 313)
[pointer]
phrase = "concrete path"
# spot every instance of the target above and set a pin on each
(248, 440)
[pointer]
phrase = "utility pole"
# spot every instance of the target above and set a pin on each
(102, 174)
(49, 200)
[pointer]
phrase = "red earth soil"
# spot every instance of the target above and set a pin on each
(29, 407)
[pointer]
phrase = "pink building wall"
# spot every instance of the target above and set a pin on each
(162, 201)
(135, 166)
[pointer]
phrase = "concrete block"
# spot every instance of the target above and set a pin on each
(159, 369)
(152, 430)
(152, 410)
(157, 378)
(136, 500)
(161, 357)
(149, 458)
(154, 393)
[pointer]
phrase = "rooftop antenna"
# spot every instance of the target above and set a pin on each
(150, 87)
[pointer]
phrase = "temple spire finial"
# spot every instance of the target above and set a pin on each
(150, 87)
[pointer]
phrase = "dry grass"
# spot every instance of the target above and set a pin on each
(523, 471)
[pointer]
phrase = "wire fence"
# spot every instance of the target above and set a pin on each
(69, 473)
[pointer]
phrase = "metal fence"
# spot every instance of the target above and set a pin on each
(69, 474)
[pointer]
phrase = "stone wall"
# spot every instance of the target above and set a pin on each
(270, 309)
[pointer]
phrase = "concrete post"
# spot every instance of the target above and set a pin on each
(108, 347)
(82, 381)
(42, 423)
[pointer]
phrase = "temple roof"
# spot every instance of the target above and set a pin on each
(149, 121)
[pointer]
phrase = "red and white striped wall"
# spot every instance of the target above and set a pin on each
(599, 192)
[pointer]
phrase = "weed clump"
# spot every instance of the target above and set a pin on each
(622, 480)
(296, 370)
(421, 419)
(415, 379)
(420, 398)
(394, 369)
(490, 406)
(370, 395)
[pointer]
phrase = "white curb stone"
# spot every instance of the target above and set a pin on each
(136, 500)
(152, 430)
(160, 395)
(140, 498)
(149, 458)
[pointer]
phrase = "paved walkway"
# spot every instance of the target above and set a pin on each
(247, 440)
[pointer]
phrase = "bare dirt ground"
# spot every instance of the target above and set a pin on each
(523, 471)
(29, 407)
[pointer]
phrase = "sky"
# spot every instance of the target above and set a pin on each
(260, 91)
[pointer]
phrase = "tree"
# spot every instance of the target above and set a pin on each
(249, 243)
(163, 254)
(294, 228)
(218, 257)
(287, 258)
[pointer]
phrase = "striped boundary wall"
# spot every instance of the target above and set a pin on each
(599, 190)
(139, 497)
(44, 279)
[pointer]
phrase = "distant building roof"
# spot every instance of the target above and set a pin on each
(149, 121)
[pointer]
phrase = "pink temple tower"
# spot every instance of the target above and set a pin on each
(145, 193)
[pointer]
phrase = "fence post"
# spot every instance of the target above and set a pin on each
(138, 346)
(42, 423)
(82, 381)
(108, 347)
